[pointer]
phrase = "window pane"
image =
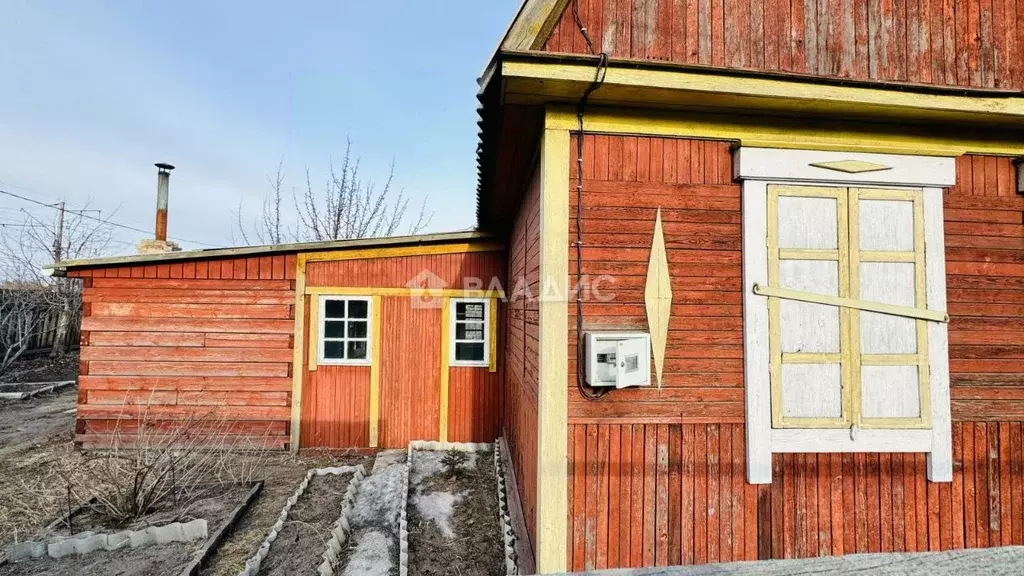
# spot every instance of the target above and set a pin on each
(357, 308)
(469, 331)
(469, 311)
(357, 350)
(334, 329)
(332, 351)
(334, 309)
(469, 351)
(357, 329)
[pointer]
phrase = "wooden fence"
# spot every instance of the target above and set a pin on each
(45, 332)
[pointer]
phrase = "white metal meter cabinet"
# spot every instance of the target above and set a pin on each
(619, 359)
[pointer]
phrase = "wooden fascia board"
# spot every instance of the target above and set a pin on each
(795, 133)
(533, 24)
(546, 80)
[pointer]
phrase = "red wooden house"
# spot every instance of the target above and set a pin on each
(806, 213)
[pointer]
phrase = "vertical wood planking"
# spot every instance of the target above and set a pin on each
(972, 43)
(689, 503)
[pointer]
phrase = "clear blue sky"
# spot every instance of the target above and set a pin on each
(93, 93)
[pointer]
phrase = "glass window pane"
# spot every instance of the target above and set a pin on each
(469, 331)
(356, 350)
(469, 311)
(334, 309)
(334, 329)
(471, 352)
(357, 329)
(357, 308)
(332, 351)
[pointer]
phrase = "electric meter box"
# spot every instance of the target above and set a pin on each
(619, 359)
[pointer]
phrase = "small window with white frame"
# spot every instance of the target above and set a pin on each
(470, 345)
(345, 330)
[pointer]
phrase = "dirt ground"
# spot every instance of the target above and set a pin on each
(216, 507)
(301, 543)
(281, 474)
(42, 368)
(475, 547)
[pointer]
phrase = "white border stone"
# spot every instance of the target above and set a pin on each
(252, 565)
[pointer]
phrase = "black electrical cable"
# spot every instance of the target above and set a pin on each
(599, 74)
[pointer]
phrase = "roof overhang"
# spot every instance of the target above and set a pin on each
(269, 250)
(538, 78)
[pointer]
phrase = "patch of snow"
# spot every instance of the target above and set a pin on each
(380, 496)
(371, 556)
(437, 507)
(424, 465)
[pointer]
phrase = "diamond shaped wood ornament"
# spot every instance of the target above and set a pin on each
(658, 297)
(851, 166)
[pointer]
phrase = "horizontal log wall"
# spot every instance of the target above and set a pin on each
(984, 225)
(167, 344)
(975, 43)
(669, 494)
(521, 353)
(627, 179)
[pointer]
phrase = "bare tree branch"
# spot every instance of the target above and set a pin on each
(345, 207)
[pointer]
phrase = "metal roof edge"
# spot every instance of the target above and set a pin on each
(294, 247)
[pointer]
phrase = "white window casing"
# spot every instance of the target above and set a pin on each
(484, 335)
(892, 396)
(348, 322)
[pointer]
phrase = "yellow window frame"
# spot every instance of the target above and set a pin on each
(848, 257)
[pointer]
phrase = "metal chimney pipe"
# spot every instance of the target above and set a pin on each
(163, 180)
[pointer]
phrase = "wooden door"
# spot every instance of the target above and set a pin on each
(410, 357)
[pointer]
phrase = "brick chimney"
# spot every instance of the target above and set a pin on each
(159, 244)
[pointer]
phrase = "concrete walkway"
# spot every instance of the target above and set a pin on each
(1008, 561)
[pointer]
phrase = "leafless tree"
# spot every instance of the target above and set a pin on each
(20, 319)
(67, 235)
(345, 206)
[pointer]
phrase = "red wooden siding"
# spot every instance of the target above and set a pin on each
(474, 404)
(984, 226)
(976, 43)
(521, 354)
(410, 355)
(187, 340)
(627, 179)
(455, 270)
(657, 475)
(410, 380)
(669, 494)
(335, 404)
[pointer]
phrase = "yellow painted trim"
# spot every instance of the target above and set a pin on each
(533, 24)
(553, 393)
(297, 371)
(787, 133)
(427, 250)
(445, 351)
(887, 256)
(879, 307)
(847, 343)
(778, 358)
(889, 359)
(920, 281)
(807, 254)
(774, 309)
(811, 358)
(379, 291)
(375, 338)
(314, 332)
(492, 345)
(852, 226)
